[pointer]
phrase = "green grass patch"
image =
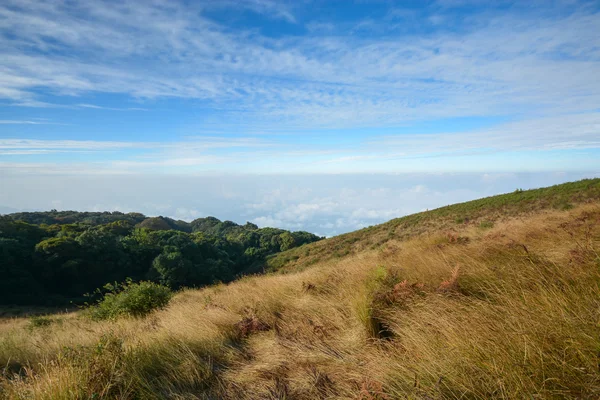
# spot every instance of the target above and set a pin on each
(42, 321)
(486, 224)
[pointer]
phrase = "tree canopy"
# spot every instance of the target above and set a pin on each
(52, 258)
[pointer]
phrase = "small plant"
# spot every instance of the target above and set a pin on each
(450, 284)
(486, 224)
(249, 325)
(454, 238)
(132, 299)
(563, 205)
(372, 390)
(40, 321)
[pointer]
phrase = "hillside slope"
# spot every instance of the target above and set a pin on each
(482, 212)
(503, 306)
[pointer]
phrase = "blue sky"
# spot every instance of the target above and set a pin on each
(188, 90)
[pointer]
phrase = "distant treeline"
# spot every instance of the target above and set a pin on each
(52, 258)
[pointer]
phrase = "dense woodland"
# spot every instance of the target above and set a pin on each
(53, 258)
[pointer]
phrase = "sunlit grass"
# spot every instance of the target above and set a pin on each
(508, 310)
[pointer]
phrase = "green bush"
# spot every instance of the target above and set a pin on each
(41, 321)
(131, 299)
(486, 224)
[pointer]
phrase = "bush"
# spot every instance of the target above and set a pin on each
(41, 321)
(132, 299)
(486, 224)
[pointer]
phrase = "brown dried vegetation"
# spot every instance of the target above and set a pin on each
(511, 313)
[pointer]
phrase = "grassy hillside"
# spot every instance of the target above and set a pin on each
(496, 298)
(482, 212)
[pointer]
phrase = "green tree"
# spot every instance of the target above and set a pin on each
(173, 268)
(287, 241)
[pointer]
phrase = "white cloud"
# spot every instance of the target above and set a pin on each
(504, 64)
(29, 144)
(550, 133)
(96, 107)
(538, 68)
(17, 122)
(375, 214)
(266, 221)
(187, 214)
(480, 150)
(191, 143)
(418, 189)
(26, 122)
(327, 204)
(490, 178)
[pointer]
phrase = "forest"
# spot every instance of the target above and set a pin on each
(55, 258)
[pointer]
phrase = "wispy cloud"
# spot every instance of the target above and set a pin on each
(193, 144)
(33, 121)
(19, 122)
(30, 144)
(506, 64)
(551, 133)
(96, 107)
(122, 156)
(273, 153)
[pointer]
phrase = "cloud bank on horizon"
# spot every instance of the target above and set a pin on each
(262, 87)
(323, 204)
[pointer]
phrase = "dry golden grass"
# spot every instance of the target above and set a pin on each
(466, 311)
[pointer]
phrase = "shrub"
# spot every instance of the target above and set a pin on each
(563, 205)
(132, 299)
(40, 321)
(486, 224)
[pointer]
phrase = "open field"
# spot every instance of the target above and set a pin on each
(497, 298)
